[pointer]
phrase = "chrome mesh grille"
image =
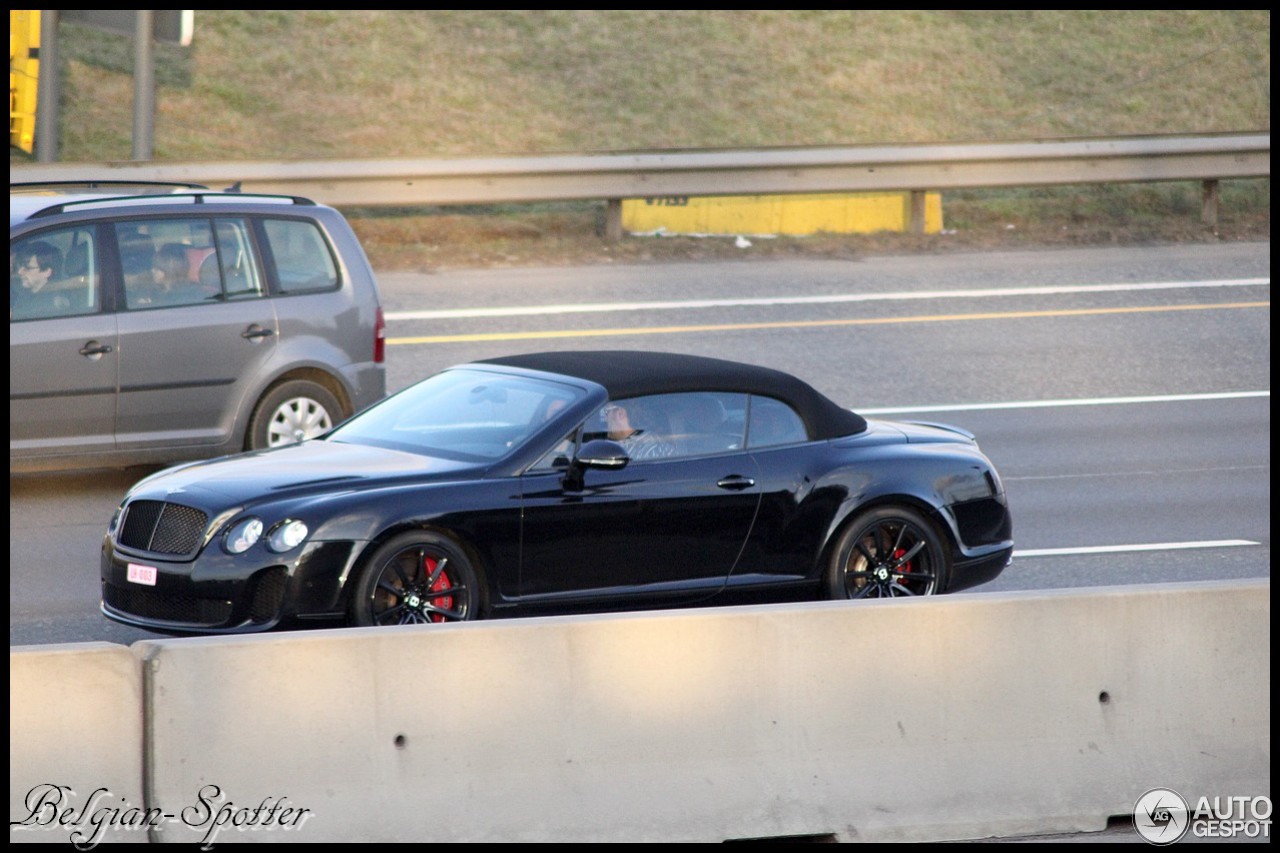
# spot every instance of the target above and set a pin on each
(162, 528)
(138, 524)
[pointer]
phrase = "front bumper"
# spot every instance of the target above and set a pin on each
(220, 594)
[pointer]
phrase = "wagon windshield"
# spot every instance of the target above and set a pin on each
(465, 415)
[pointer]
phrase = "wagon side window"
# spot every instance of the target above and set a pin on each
(186, 261)
(302, 257)
(773, 422)
(234, 269)
(54, 274)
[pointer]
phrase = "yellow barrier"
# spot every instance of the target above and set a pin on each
(835, 213)
(24, 71)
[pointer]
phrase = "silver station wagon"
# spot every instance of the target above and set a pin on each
(157, 323)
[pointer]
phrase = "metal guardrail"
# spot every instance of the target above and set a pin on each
(612, 177)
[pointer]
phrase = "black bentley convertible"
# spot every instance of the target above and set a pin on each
(555, 482)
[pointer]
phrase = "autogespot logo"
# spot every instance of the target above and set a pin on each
(1161, 816)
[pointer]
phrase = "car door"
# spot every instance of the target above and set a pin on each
(189, 350)
(795, 508)
(668, 527)
(63, 351)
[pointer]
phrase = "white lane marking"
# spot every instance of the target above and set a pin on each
(1094, 475)
(1049, 404)
(1118, 549)
(827, 299)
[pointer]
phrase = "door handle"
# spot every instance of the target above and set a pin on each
(255, 332)
(94, 350)
(736, 483)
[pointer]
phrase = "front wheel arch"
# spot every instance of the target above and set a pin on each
(380, 545)
(872, 553)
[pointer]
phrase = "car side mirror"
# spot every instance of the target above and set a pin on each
(599, 453)
(603, 454)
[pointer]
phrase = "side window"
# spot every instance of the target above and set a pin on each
(302, 257)
(240, 276)
(672, 425)
(184, 261)
(557, 458)
(774, 422)
(54, 274)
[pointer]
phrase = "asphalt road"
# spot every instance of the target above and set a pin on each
(1124, 394)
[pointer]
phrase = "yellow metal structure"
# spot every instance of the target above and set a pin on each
(24, 72)
(833, 213)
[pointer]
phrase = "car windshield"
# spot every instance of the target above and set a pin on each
(465, 415)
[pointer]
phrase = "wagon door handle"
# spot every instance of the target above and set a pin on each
(255, 331)
(94, 350)
(736, 483)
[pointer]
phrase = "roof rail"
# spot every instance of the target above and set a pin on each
(97, 184)
(193, 197)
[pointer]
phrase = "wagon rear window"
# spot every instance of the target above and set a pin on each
(301, 254)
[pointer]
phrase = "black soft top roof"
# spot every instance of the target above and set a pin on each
(633, 373)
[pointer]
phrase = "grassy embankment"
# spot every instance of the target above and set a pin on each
(308, 84)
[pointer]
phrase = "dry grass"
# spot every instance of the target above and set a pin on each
(570, 234)
(320, 83)
(360, 84)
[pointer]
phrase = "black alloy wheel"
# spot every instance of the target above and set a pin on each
(888, 553)
(417, 579)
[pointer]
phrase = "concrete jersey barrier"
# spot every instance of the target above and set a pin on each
(75, 741)
(965, 716)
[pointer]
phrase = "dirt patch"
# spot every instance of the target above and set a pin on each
(427, 242)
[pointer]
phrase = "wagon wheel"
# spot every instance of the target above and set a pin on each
(291, 412)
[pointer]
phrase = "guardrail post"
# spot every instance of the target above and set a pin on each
(1210, 195)
(49, 90)
(917, 212)
(613, 220)
(144, 85)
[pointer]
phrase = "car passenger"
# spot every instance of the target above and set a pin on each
(644, 439)
(36, 264)
(170, 272)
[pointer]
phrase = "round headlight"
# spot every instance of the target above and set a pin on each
(242, 535)
(286, 535)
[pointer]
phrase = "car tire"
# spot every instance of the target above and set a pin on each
(417, 578)
(292, 411)
(888, 552)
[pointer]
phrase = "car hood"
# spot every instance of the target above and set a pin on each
(295, 471)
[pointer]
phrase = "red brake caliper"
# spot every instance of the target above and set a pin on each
(905, 568)
(442, 582)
